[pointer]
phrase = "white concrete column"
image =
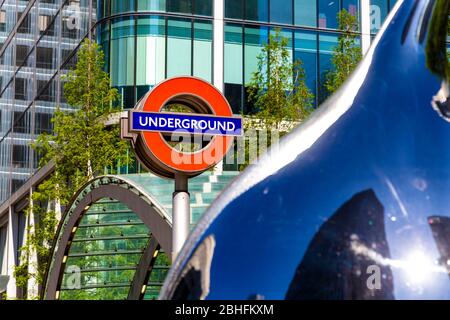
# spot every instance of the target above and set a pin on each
(218, 44)
(365, 26)
(32, 287)
(11, 253)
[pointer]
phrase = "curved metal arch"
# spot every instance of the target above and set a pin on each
(143, 270)
(139, 201)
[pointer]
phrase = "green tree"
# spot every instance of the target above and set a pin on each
(346, 55)
(81, 147)
(277, 92)
(277, 88)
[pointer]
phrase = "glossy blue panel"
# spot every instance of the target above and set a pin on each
(360, 190)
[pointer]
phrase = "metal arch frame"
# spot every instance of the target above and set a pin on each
(147, 209)
(143, 270)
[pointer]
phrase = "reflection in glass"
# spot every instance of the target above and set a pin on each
(440, 227)
(281, 11)
(203, 7)
(234, 9)
(335, 266)
(306, 51)
(327, 43)
(202, 67)
(153, 5)
(178, 47)
(305, 13)
(328, 10)
(195, 278)
(122, 58)
(150, 53)
(120, 6)
(233, 66)
(257, 10)
(181, 6)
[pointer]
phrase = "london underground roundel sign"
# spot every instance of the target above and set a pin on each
(211, 122)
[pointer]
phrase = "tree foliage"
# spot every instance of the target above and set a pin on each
(278, 93)
(278, 88)
(346, 55)
(81, 147)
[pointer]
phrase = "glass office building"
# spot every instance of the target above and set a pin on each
(148, 41)
(145, 42)
(38, 39)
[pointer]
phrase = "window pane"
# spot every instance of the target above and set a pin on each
(352, 6)
(305, 13)
(281, 11)
(178, 47)
(20, 156)
(21, 54)
(103, 39)
(203, 50)
(306, 52)
(203, 7)
(25, 25)
(378, 12)
(122, 60)
(182, 6)
(255, 39)
(43, 123)
(256, 10)
(152, 5)
(233, 54)
(21, 122)
(327, 42)
(120, 6)
(233, 66)
(328, 10)
(151, 53)
(234, 9)
(44, 57)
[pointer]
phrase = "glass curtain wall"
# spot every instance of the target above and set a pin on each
(145, 41)
(37, 38)
(379, 10)
(310, 26)
(145, 48)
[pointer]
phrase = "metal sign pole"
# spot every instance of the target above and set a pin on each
(181, 214)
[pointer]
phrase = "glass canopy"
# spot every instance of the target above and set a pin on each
(110, 240)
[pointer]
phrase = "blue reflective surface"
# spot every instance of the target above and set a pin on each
(362, 187)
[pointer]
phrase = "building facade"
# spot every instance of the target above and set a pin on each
(38, 39)
(145, 42)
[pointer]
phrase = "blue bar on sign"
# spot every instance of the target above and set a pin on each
(186, 123)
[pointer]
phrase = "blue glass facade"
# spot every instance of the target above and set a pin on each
(310, 27)
(38, 40)
(162, 39)
(144, 43)
(154, 41)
